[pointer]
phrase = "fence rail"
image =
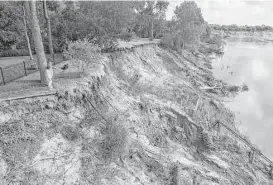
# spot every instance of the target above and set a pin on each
(246, 142)
(19, 70)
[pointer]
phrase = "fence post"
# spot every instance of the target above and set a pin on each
(25, 67)
(271, 171)
(251, 156)
(1, 69)
(218, 129)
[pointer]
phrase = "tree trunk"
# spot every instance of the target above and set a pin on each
(25, 24)
(50, 45)
(152, 29)
(39, 48)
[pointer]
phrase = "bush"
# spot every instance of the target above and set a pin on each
(167, 40)
(245, 87)
(70, 133)
(114, 142)
(203, 142)
(12, 53)
(173, 42)
(126, 36)
(84, 50)
(233, 88)
(106, 42)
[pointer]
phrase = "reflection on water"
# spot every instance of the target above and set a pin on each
(251, 63)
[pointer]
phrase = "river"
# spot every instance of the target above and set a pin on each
(250, 62)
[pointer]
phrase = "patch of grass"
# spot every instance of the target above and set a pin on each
(114, 141)
(203, 142)
(19, 143)
(12, 53)
(158, 139)
(70, 133)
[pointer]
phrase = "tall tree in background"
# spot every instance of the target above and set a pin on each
(26, 33)
(11, 27)
(151, 10)
(49, 36)
(36, 34)
(188, 22)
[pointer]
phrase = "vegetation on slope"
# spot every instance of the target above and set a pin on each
(145, 115)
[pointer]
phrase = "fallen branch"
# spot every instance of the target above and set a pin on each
(197, 103)
(48, 158)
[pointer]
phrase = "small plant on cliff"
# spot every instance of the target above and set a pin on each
(245, 87)
(114, 141)
(70, 133)
(233, 88)
(203, 142)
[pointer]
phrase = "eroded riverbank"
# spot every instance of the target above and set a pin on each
(140, 116)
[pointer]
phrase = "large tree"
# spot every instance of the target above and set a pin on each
(148, 12)
(188, 21)
(26, 33)
(36, 34)
(49, 36)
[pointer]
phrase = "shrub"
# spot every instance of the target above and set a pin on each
(126, 36)
(12, 53)
(106, 42)
(114, 142)
(70, 133)
(203, 142)
(172, 41)
(167, 40)
(233, 88)
(84, 50)
(245, 87)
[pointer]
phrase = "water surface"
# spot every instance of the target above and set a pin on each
(250, 62)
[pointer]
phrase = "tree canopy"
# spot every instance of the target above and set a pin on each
(188, 21)
(11, 27)
(73, 20)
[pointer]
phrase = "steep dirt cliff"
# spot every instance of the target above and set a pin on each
(136, 117)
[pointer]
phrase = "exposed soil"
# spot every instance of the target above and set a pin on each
(138, 116)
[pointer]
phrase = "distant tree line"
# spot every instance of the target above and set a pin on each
(234, 27)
